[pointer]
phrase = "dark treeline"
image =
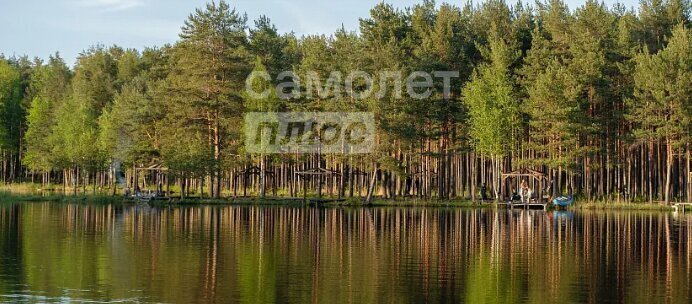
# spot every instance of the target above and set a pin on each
(597, 97)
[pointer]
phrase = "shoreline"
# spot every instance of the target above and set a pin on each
(11, 196)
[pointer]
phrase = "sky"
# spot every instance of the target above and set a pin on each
(39, 28)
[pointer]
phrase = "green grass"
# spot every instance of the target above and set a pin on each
(28, 192)
(9, 197)
(226, 201)
(347, 202)
(411, 203)
(35, 195)
(26, 188)
(620, 206)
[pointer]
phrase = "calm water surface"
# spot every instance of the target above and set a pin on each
(53, 252)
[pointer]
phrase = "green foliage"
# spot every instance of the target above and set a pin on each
(74, 136)
(271, 102)
(40, 122)
(663, 91)
(50, 85)
(494, 122)
(10, 106)
(659, 17)
(203, 90)
(272, 48)
(94, 82)
(129, 132)
(555, 116)
(569, 88)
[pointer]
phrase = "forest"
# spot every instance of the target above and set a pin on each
(597, 97)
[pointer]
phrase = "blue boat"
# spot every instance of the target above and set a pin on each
(563, 201)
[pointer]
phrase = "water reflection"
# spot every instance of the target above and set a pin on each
(62, 252)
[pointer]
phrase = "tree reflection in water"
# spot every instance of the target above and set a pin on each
(53, 252)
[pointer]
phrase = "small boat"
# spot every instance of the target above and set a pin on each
(563, 201)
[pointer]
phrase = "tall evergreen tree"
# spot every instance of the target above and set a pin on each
(663, 90)
(208, 77)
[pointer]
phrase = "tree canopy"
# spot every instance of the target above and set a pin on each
(598, 97)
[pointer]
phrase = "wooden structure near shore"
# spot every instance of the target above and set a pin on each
(319, 173)
(537, 178)
(160, 177)
(253, 171)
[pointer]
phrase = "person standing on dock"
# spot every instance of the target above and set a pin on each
(525, 192)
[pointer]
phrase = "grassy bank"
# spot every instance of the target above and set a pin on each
(412, 203)
(621, 206)
(27, 194)
(351, 202)
(9, 197)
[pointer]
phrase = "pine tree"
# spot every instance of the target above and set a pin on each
(556, 118)
(663, 90)
(547, 88)
(658, 17)
(268, 104)
(271, 47)
(211, 63)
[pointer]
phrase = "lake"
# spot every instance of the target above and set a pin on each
(58, 252)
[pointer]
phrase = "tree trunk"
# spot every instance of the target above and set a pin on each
(263, 176)
(669, 168)
(371, 188)
(217, 158)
